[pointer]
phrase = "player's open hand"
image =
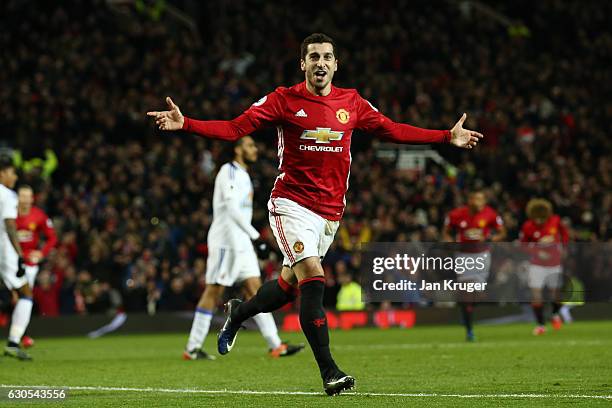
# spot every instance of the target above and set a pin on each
(171, 119)
(464, 138)
(35, 257)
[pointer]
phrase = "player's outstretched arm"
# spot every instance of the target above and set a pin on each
(464, 138)
(230, 130)
(171, 119)
(371, 120)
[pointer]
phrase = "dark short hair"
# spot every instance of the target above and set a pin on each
(316, 38)
(477, 190)
(6, 162)
(228, 151)
(240, 141)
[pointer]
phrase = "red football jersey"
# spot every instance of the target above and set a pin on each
(473, 227)
(550, 236)
(29, 228)
(314, 139)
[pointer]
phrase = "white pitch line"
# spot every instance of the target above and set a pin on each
(357, 394)
(483, 344)
(463, 344)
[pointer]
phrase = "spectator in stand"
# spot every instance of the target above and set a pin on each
(47, 293)
(349, 295)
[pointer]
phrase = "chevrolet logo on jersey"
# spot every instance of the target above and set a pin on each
(322, 135)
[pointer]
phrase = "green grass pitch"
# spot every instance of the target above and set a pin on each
(507, 366)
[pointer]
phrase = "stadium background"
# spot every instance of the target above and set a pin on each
(132, 205)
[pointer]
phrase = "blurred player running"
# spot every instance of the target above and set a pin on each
(548, 234)
(31, 223)
(12, 263)
(315, 122)
(231, 253)
(473, 225)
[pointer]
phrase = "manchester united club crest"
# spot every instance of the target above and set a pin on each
(343, 116)
(298, 247)
(482, 223)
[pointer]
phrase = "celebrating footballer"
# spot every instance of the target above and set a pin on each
(315, 122)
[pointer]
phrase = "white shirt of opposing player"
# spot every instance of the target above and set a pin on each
(232, 209)
(8, 210)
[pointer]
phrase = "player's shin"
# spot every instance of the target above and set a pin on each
(20, 320)
(199, 328)
(467, 313)
(556, 306)
(271, 296)
(538, 312)
(314, 323)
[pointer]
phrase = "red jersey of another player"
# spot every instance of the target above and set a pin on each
(550, 236)
(314, 139)
(473, 227)
(29, 228)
